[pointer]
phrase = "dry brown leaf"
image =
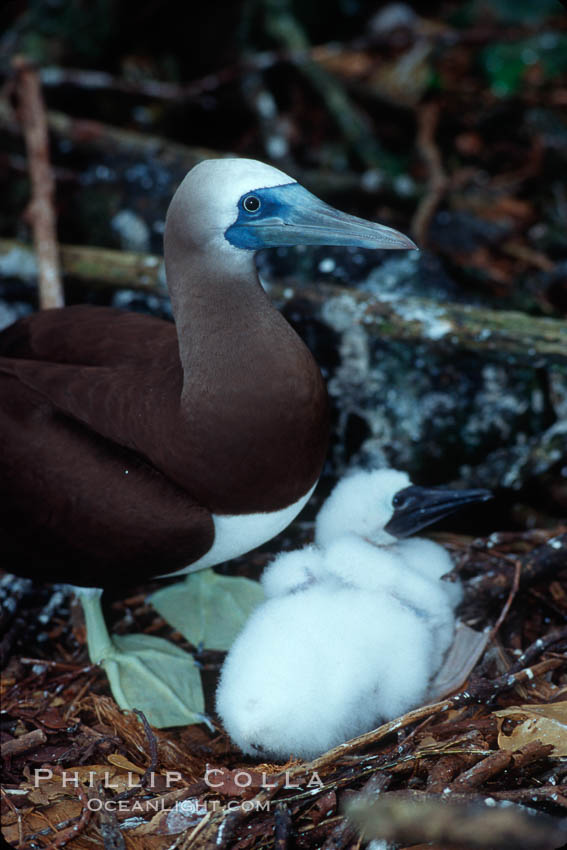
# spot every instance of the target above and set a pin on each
(545, 723)
(182, 815)
(350, 64)
(406, 78)
(121, 761)
(47, 792)
(53, 719)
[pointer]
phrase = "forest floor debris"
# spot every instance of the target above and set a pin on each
(67, 746)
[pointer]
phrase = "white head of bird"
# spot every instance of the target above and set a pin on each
(233, 207)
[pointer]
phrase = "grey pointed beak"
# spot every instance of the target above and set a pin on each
(417, 507)
(316, 223)
(291, 215)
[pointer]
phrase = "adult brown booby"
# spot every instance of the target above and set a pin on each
(133, 448)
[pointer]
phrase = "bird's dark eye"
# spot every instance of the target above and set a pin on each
(251, 203)
(398, 501)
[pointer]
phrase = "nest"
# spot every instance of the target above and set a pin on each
(482, 768)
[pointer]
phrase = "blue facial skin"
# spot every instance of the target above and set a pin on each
(277, 202)
(290, 215)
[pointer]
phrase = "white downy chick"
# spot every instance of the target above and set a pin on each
(293, 571)
(313, 668)
(433, 562)
(353, 628)
(385, 571)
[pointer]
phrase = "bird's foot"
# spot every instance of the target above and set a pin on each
(156, 677)
(208, 608)
(145, 672)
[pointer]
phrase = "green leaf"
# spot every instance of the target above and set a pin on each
(156, 677)
(506, 64)
(208, 608)
(519, 11)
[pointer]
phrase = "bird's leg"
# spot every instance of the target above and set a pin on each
(144, 672)
(99, 641)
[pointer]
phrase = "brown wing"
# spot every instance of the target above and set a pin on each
(84, 335)
(80, 388)
(80, 509)
(115, 372)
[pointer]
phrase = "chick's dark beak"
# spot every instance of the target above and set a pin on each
(417, 507)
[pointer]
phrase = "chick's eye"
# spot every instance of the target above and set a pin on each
(251, 203)
(398, 500)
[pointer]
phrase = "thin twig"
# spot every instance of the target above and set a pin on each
(508, 604)
(108, 825)
(484, 769)
(41, 210)
(282, 826)
(150, 770)
(152, 743)
(73, 831)
(18, 815)
(428, 118)
(538, 647)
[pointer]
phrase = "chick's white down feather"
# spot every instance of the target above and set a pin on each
(312, 669)
(361, 503)
(350, 635)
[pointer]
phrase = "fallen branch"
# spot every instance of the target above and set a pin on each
(54, 76)
(103, 267)
(414, 320)
(464, 824)
(32, 115)
(541, 562)
(23, 744)
(107, 139)
(411, 319)
(484, 769)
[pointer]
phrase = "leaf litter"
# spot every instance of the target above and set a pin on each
(501, 738)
